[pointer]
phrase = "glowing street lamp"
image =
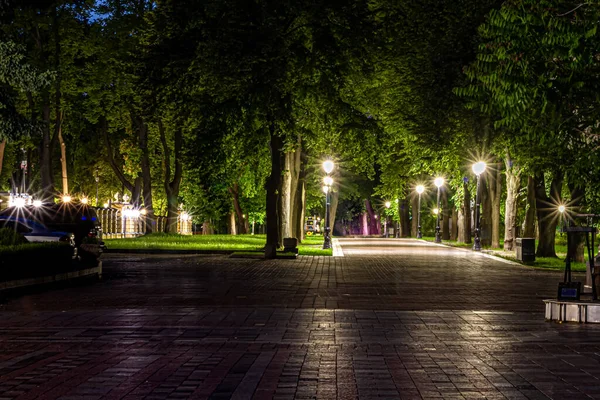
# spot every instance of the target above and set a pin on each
(84, 200)
(478, 169)
(37, 203)
(19, 202)
(387, 206)
(66, 198)
(420, 189)
(328, 167)
(561, 210)
(438, 182)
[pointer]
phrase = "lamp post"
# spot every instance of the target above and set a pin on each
(328, 181)
(387, 206)
(97, 178)
(561, 210)
(327, 231)
(567, 278)
(420, 190)
(439, 182)
(478, 169)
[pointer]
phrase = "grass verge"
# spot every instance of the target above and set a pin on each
(540, 262)
(233, 243)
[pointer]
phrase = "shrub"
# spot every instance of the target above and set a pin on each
(34, 260)
(8, 237)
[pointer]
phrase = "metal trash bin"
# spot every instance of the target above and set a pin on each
(526, 249)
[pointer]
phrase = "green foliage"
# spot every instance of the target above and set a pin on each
(30, 260)
(16, 77)
(8, 237)
(536, 74)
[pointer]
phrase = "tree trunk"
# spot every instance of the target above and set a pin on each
(147, 177)
(364, 222)
(28, 169)
(300, 201)
(454, 227)
(207, 228)
(33, 132)
(530, 213)
(495, 187)
(48, 142)
(460, 222)
(577, 249)
(63, 157)
(272, 186)
(546, 213)
(235, 196)
(513, 186)
(466, 208)
(334, 197)
(171, 186)
(445, 214)
(111, 158)
(373, 220)
(295, 167)
(136, 194)
(2, 147)
(414, 200)
(58, 122)
(404, 214)
(231, 223)
(286, 196)
(486, 211)
(46, 155)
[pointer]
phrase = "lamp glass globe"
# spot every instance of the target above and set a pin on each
(387, 204)
(479, 167)
(328, 180)
(328, 166)
(561, 208)
(420, 189)
(439, 182)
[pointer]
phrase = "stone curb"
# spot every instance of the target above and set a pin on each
(21, 283)
(337, 249)
(166, 251)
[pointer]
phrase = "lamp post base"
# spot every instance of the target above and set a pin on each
(477, 244)
(438, 236)
(327, 239)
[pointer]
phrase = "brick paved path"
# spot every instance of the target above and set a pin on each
(392, 319)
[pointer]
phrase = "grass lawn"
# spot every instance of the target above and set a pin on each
(162, 241)
(540, 262)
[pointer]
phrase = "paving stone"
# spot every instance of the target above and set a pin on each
(398, 319)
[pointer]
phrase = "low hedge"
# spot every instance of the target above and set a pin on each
(34, 260)
(8, 237)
